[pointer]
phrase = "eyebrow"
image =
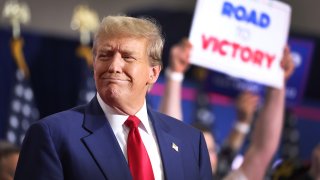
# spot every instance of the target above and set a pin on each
(122, 51)
(127, 51)
(105, 48)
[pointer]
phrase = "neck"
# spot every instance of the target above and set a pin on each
(122, 107)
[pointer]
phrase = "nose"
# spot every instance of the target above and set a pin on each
(116, 63)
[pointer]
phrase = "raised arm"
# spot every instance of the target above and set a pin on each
(246, 105)
(267, 131)
(179, 62)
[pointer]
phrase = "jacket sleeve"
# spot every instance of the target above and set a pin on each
(38, 157)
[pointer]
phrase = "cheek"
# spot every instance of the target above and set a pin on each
(95, 75)
(138, 74)
(100, 68)
(143, 78)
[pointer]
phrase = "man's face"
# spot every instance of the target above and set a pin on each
(9, 165)
(122, 71)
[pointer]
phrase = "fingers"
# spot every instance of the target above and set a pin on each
(287, 63)
(285, 58)
(185, 47)
(179, 56)
(185, 43)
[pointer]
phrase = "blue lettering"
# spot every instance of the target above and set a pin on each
(264, 20)
(252, 18)
(227, 9)
(240, 13)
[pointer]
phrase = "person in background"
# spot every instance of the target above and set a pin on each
(293, 169)
(170, 104)
(246, 105)
(117, 136)
(314, 171)
(268, 127)
(211, 144)
(9, 154)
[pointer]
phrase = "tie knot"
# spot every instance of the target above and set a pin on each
(132, 122)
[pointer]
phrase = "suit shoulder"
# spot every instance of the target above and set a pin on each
(176, 123)
(60, 124)
(64, 117)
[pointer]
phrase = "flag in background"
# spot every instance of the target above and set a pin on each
(22, 111)
(88, 89)
(86, 21)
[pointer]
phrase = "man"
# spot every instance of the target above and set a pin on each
(9, 155)
(90, 142)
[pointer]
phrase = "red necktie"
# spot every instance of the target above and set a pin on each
(138, 159)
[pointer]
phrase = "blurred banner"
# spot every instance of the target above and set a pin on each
(302, 53)
(241, 38)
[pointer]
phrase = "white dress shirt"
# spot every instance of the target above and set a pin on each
(146, 131)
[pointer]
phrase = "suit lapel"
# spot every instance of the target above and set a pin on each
(103, 145)
(169, 148)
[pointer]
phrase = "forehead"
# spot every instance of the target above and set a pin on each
(123, 43)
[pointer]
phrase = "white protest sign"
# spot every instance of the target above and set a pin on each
(242, 38)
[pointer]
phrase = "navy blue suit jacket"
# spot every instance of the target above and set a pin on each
(79, 144)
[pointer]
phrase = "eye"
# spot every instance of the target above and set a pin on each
(128, 57)
(103, 56)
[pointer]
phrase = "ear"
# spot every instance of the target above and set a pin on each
(154, 73)
(94, 64)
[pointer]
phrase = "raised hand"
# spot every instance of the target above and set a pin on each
(287, 63)
(179, 56)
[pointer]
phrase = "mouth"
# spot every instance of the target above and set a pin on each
(113, 79)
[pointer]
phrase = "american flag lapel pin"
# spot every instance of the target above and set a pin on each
(175, 147)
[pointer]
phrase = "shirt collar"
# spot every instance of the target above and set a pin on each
(116, 120)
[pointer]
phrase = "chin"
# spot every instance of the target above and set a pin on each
(111, 93)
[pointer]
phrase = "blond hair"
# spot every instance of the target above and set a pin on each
(122, 25)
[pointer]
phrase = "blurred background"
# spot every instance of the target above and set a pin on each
(60, 76)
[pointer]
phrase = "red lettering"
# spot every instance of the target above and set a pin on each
(223, 44)
(270, 59)
(206, 42)
(216, 45)
(235, 48)
(246, 54)
(257, 57)
(236, 51)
